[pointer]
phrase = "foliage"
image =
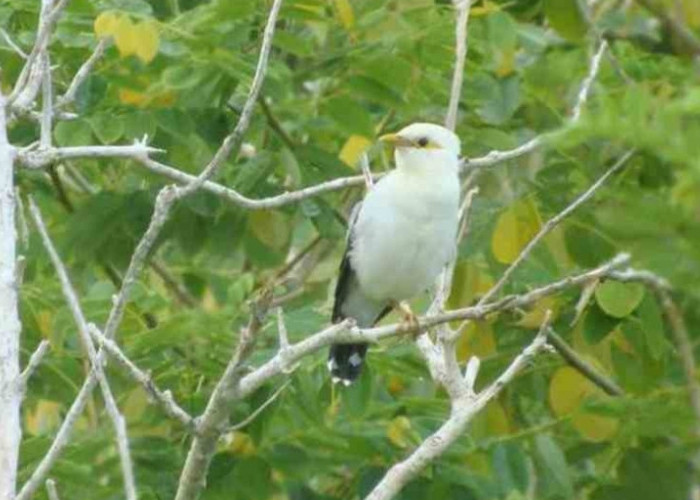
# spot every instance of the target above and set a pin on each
(340, 74)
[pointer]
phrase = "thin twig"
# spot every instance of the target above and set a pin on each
(29, 80)
(51, 489)
(34, 362)
(462, 18)
(243, 423)
(588, 81)
(580, 365)
(552, 223)
(163, 398)
(46, 104)
(81, 75)
(366, 172)
(233, 141)
(12, 44)
(74, 306)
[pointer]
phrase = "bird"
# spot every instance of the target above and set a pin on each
(399, 238)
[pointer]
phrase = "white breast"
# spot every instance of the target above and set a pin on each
(405, 234)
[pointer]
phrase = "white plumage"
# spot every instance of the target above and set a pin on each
(403, 235)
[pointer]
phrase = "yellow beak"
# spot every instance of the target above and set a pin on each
(396, 140)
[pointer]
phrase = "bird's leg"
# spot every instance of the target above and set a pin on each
(408, 317)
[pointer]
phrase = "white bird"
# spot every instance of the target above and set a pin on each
(402, 236)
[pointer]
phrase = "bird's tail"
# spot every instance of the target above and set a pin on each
(345, 361)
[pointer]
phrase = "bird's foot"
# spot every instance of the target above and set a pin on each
(408, 318)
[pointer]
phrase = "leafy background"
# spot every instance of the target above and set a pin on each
(342, 72)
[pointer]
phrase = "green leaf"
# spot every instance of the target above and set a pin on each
(107, 127)
(619, 299)
(568, 18)
(72, 133)
(653, 326)
(551, 459)
(502, 102)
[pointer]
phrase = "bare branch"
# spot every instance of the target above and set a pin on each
(581, 365)
(463, 411)
(213, 422)
(588, 81)
(12, 44)
(163, 398)
(10, 395)
(366, 171)
(260, 409)
(32, 157)
(46, 103)
(51, 490)
(28, 83)
(343, 332)
(496, 157)
(462, 18)
(552, 223)
(34, 362)
(69, 96)
(95, 359)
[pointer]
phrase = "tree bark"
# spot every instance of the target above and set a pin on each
(10, 387)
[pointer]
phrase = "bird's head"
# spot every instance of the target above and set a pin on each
(424, 146)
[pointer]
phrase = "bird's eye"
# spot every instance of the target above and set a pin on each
(423, 142)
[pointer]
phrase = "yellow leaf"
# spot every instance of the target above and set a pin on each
(469, 281)
(568, 389)
(353, 149)
(399, 431)
(105, 23)
(44, 419)
(44, 320)
(125, 36)
(485, 9)
(535, 316)
(497, 422)
(691, 12)
(595, 427)
(270, 227)
(479, 462)
(506, 62)
(132, 97)
(476, 340)
(345, 13)
(239, 443)
(557, 247)
(395, 385)
(147, 40)
(515, 227)
(135, 404)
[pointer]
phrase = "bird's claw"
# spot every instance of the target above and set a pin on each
(408, 318)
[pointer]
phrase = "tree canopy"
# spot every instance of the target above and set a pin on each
(587, 86)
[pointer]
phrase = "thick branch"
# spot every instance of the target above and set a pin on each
(10, 387)
(34, 362)
(463, 410)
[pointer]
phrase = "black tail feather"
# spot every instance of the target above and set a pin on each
(345, 361)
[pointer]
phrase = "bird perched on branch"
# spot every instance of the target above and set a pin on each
(401, 237)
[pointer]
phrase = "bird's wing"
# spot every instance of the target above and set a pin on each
(350, 302)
